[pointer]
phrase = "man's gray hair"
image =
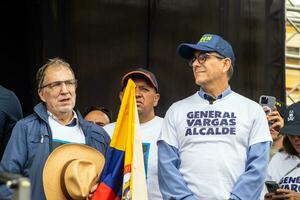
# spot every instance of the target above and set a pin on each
(40, 75)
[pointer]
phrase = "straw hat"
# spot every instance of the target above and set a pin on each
(70, 171)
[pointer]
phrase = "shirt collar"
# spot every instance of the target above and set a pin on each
(71, 123)
(209, 98)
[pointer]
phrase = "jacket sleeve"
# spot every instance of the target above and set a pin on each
(10, 113)
(14, 157)
(250, 184)
(2, 123)
(171, 183)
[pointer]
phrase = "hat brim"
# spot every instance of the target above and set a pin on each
(56, 161)
(291, 130)
(186, 50)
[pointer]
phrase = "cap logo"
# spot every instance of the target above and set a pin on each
(205, 38)
(278, 104)
(291, 116)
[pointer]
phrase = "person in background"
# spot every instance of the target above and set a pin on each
(53, 123)
(98, 115)
(284, 167)
(147, 98)
(214, 145)
(276, 122)
(10, 113)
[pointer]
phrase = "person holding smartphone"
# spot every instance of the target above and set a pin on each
(284, 167)
(275, 121)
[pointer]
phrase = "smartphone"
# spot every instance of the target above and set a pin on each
(267, 102)
(272, 186)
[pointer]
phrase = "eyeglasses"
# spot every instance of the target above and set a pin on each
(202, 58)
(57, 85)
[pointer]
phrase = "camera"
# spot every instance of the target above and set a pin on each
(264, 100)
(272, 186)
(267, 102)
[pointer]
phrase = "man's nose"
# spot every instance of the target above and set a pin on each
(137, 92)
(64, 87)
(196, 64)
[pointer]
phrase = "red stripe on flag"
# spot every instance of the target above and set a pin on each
(127, 169)
(104, 192)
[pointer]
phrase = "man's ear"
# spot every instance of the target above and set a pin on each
(121, 95)
(41, 95)
(227, 65)
(156, 99)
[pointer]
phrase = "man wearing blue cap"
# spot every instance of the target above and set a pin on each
(214, 145)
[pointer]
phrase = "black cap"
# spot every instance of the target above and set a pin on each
(292, 120)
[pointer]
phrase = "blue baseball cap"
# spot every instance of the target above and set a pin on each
(208, 43)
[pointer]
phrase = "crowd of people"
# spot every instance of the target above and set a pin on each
(215, 144)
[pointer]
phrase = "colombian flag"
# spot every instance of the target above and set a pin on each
(123, 176)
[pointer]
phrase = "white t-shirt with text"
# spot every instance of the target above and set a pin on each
(213, 139)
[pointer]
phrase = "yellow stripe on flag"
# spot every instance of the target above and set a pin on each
(127, 138)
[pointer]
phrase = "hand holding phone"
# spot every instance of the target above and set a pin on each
(268, 103)
(272, 186)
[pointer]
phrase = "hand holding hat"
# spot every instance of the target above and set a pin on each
(70, 171)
